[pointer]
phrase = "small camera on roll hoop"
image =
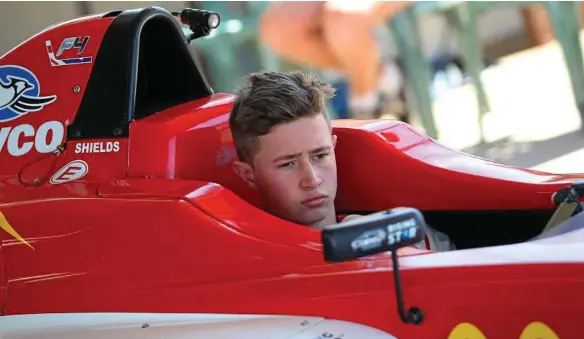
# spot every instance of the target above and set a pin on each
(200, 22)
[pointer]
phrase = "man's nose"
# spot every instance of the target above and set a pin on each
(310, 178)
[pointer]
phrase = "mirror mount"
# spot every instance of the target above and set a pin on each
(385, 231)
(414, 315)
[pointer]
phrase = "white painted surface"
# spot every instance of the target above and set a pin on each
(564, 248)
(179, 326)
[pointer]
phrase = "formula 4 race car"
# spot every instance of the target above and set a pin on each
(121, 216)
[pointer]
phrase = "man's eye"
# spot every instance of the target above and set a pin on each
(321, 156)
(287, 164)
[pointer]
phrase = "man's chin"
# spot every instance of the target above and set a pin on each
(317, 220)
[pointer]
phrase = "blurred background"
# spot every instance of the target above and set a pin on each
(501, 80)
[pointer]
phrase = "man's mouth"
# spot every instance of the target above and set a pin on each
(315, 201)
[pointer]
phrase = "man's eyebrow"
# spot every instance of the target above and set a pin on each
(320, 149)
(287, 157)
(296, 155)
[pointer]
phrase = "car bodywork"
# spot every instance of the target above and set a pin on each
(197, 326)
(117, 196)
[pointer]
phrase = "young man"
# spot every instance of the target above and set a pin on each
(284, 140)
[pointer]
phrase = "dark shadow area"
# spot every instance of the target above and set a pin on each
(528, 154)
(167, 76)
(483, 228)
(472, 229)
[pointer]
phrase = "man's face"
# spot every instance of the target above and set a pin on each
(295, 171)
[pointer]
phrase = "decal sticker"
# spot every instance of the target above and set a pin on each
(328, 335)
(74, 170)
(5, 225)
(97, 147)
(534, 330)
(466, 331)
(77, 43)
(401, 230)
(369, 240)
(21, 139)
(538, 330)
(20, 93)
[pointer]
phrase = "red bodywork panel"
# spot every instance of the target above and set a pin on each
(158, 222)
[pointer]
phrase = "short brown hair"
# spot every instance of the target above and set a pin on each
(270, 98)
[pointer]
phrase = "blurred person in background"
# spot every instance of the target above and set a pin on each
(339, 35)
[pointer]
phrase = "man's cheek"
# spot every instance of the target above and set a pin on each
(328, 173)
(276, 185)
(283, 189)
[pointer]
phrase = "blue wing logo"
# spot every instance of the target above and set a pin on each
(20, 93)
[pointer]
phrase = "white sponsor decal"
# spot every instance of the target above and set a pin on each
(21, 139)
(77, 43)
(74, 170)
(401, 230)
(97, 147)
(369, 240)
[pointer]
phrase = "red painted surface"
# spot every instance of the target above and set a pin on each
(164, 225)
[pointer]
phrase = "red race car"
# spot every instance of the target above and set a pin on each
(117, 196)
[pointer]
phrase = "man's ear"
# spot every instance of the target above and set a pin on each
(245, 172)
(334, 140)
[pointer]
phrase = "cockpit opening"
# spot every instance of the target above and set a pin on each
(167, 75)
(143, 66)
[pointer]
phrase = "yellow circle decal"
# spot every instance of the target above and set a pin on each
(538, 330)
(466, 331)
